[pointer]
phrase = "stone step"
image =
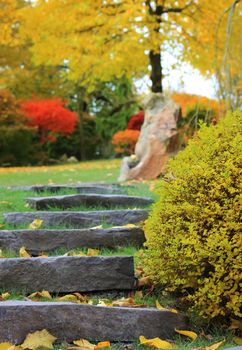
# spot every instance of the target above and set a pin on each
(64, 274)
(70, 201)
(78, 218)
(69, 322)
(38, 241)
(82, 188)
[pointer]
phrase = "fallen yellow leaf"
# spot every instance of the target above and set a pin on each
(69, 297)
(189, 334)
(4, 296)
(93, 252)
(39, 339)
(159, 307)
(37, 295)
(23, 253)
(35, 224)
(211, 347)
(2, 225)
(84, 344)
(103, 344)
(235, 324)
(156, 343)
(237, 340)
(5, 346)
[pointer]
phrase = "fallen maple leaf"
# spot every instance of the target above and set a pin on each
(39, 339)
(84, 344)
(235, 324)
(156, 343)
(189, 334)
(93, 252)
(5, 346)
(237, 340)
(37, 295)
(23, 253)
(103, 344)
(211, 347)
(159, 307)
(35, 224)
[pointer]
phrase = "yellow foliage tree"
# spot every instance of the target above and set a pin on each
(100, 39)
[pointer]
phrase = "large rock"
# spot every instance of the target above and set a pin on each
(89, 200)
(157, 140)
(67, 274)
(69, 322)
(38, 241)
(78, 218)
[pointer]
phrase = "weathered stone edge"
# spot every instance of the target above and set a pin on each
(69, 322)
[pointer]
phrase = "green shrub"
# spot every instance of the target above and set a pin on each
(16, 145)
(193, 234)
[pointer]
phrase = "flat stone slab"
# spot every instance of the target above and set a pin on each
(83, 188)
(70, 201)
(38, 241)
(78, 218)
(235, 348)
(68, 274)
(69, 322)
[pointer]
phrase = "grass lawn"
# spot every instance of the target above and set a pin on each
(96, 171)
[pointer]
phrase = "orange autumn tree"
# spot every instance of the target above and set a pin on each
(50, 117)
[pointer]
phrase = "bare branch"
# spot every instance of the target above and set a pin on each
(179, 9)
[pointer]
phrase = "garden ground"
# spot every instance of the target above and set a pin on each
(98, 171)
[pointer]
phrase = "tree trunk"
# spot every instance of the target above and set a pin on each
(82, 108)
(156, 72)
(155, 56)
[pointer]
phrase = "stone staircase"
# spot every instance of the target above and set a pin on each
(83, 274)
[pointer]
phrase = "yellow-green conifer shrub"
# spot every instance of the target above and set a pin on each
(194, 240)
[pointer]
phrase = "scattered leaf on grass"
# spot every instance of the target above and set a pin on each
(4, 296)
(23, 253)
(189, 334)
(237, 340)
(155, 343)
(84, 344)
(103, 344)
(68, 297)
(144, 281)
(5, 346)
(1, 226)
(235, 324)
(126, 302)
(159, 307)
(37, 295)
(211, 347)
(35, 224)
(39, 339)
(93, 252)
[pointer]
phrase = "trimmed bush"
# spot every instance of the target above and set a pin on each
(193, 234)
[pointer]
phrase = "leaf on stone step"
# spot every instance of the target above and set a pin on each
(81, 298)
(126, 302)
(5, 346)
(103, 344)
(189, 334)
(93, 252)
(5, 296)
(38, 295)
(159, 307)
(144, 281)
(23, 253)
(39, 339)
(68, 297)
(102, 303)
(35, 224)
(237, 340)
(235, 324)
(84, 344)
(156, 343)
(96, 227)
(211, 347)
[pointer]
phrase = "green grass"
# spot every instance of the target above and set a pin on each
(91, 171)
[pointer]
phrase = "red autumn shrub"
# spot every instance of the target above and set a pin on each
(50, 116)
(136, 121)
(125, 141)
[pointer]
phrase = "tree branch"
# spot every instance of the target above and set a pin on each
(179, 9)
